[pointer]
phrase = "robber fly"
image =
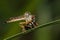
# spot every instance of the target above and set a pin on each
(28, 23)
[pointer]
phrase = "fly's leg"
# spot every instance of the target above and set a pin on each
(30, 25)
(34, 24)
(22, 25)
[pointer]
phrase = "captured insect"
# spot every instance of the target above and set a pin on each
(28, 23)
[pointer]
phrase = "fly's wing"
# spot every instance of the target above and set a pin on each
(15, 19)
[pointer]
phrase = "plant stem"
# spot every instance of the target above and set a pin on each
(40, 26)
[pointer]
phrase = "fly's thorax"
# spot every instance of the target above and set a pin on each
(28, 18)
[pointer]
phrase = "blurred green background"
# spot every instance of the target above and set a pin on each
(45, 11)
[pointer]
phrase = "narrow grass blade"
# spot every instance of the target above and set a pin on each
(40, 26)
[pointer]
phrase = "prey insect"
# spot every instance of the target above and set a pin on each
(27, 24)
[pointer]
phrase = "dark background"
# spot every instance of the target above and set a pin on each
(45, 11)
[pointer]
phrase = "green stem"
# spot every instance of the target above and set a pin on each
(40, 26)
